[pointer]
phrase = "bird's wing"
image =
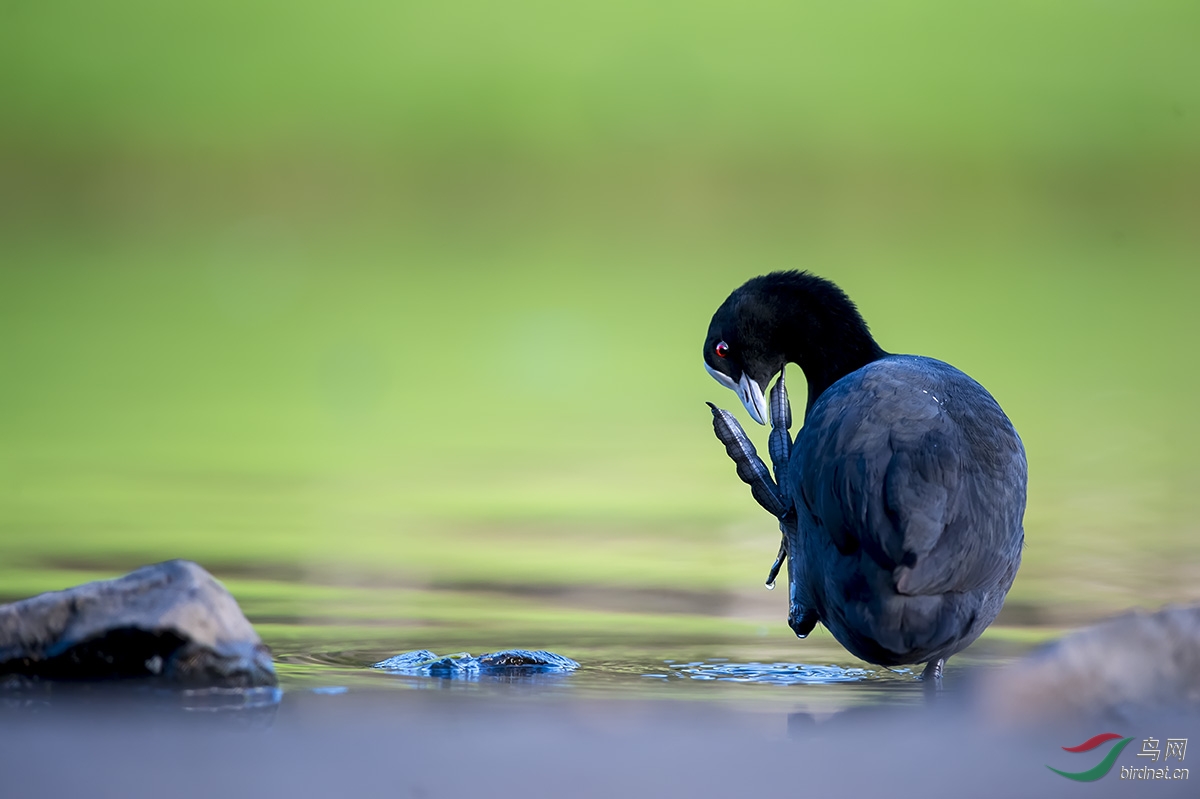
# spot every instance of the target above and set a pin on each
(932, 488)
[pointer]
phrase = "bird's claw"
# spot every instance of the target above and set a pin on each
(777, 565)
(770, 493)
(750, 467)
(780, 442)
(802, 620)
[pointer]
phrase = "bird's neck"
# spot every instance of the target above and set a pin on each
(828, 344)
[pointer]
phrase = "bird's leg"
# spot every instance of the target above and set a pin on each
(932, 676)
(780, 447)
(750, 467)
(801, 619)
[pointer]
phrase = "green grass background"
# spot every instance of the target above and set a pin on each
(413, 294)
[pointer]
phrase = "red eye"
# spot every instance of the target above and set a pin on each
(722, 349)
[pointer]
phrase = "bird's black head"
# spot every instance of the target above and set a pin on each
(782, 317)
(739, 352)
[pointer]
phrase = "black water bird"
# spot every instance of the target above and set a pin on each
(901, 501)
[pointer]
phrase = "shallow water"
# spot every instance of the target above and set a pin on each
(729, 646)
(326, 632)
(775, 673)
(709, 659)
(423, 744)
(637, 673)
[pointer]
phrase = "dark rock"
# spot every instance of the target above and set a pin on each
(171, 622)
(1130, 664)
(525, 658)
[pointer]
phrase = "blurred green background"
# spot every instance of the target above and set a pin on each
(385, 307)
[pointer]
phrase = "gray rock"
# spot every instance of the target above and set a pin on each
(1130, 664)
(172, 622)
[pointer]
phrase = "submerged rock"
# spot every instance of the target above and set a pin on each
(525, 658)
(406, 660)
(508, 661)
(1132, 663)
(172, 622)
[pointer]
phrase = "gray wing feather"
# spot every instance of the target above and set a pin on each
(924, 480)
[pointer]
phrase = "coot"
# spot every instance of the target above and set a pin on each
(902, 499)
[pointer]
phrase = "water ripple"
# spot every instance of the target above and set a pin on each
(774, 673)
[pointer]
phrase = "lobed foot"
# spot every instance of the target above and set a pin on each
(780, 443)
(771, 494)
(750, 467)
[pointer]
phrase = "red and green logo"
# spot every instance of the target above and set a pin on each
(1101, 768)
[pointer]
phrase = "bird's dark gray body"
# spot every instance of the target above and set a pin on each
(908, 484)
